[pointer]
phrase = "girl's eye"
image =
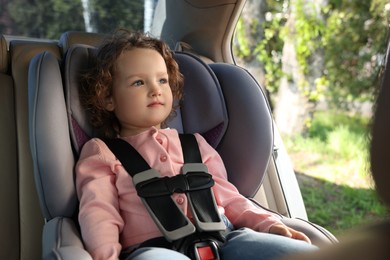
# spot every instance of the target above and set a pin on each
(137, 83)
(163, 81)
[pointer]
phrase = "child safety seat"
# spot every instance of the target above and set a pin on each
(222, 102)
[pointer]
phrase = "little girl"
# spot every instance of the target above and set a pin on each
(129, 95)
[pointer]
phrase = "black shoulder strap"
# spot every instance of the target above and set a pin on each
(131, 160)
(124, 151)
(190, 148)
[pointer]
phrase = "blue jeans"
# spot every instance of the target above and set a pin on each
(240, 244)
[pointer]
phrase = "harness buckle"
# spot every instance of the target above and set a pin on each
(206, 250)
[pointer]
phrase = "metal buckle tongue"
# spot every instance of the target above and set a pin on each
(214, 221)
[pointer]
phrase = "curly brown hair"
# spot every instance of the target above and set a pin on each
(97, 83)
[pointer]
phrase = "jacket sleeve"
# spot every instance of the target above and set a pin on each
(238, 209)
(99, 216)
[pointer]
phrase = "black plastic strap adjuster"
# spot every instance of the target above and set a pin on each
(149, 184)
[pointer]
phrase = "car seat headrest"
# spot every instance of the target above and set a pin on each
(71, 38)
(203, 109)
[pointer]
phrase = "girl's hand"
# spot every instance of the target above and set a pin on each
(283, 230)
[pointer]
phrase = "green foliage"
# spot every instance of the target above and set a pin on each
(108, 15)
(325, 122)
(346, 207)
(350, 35)
(337, 139)
(306, 36)
(355, 40)
(342, 142)
(334, 171)
(268, 51)
(242, 47)
(46, 18)
(306, 32)
(50, 18)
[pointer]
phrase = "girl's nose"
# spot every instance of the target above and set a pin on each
(155, 90)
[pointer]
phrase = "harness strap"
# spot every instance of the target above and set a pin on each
(190, 148)
(173, 225)
(155, 191)
(207, 216)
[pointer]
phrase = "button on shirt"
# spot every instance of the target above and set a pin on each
(159, 140)
(112, 216)
(180, 200)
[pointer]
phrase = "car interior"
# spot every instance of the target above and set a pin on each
(43, 126)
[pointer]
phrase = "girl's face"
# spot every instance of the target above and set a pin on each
(141, 96)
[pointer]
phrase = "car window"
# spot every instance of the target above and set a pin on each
(50, 18)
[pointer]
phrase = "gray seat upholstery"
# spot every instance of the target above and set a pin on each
(236, 121)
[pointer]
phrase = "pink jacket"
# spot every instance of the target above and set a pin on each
(113, 217)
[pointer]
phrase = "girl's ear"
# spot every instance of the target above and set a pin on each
(109, 103)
